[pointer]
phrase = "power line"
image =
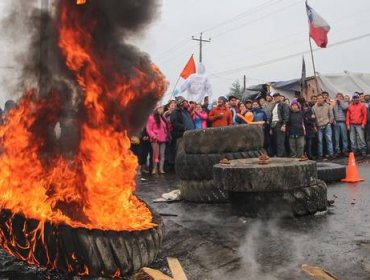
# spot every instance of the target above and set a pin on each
(269, 3)
(231, 71)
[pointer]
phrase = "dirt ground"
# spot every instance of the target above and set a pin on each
(211, 243)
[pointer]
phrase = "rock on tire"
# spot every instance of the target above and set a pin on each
(202, 191)
(200, 167)
(330, 172)
(228, 139)
(297, 202)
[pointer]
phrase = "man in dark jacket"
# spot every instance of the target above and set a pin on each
(296, 130)
(278, 121)
(181, 119)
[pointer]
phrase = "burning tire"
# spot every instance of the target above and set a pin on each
(281, 174)
(330, 172)
(80, 251)
(297, 202)
(200, 166)
(202, 191)
(229, 139)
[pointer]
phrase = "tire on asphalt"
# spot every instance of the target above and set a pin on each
(202, 191)
(74, 250)
(330, 172)
(297, 202)
(230, 139)
(247, 175)
(200, 167)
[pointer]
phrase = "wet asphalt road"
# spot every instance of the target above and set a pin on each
(213, 244)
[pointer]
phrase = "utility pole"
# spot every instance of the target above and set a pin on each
(244, 83)
(201, 41)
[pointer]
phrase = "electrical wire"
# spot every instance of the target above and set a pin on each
(272, 61)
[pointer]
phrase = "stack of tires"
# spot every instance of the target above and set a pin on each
(200, 150)
(283, 186)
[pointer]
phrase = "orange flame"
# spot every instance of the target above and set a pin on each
(81, 2)
(96, 189)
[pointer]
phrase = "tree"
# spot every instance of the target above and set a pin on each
(236, 90)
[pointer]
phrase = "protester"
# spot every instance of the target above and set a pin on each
(206, 106)
(341, 139)
(233, 107)
(157, 129)
(313, 100)
(263, 105)
(242, 110)
(220, 116)
(278, 122)
(324, 119)
(258, 113)
(145, 151)
(287, 101)
(310, 129)
(296, 130)
(181, 119)
(248, 104)
(347, 99)
(325, 95)
(199, 117)
(356, 122)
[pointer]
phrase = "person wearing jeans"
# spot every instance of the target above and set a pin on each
(325, 131)
(340, 129)
(356, 121)
(324, 118)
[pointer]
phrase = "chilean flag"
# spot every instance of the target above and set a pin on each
(319, 28)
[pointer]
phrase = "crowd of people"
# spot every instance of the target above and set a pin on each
(320, 128)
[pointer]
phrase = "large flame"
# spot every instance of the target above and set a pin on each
(96, 188)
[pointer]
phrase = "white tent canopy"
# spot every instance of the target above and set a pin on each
(346, 83)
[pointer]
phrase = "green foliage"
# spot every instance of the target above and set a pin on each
(236, 90)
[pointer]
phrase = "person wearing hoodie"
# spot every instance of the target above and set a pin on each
(356, 120)
(157, 129)
(181, 119)
(199, 117)
(220, 116)
(296, 130)
(341, 138)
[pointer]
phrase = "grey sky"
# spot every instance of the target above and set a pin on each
(264, 31)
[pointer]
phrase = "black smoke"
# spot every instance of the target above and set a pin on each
(42, 64)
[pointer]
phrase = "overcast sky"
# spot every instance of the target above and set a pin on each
(256, 32)
(246, 34)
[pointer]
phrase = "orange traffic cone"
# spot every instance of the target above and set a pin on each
(353, 175)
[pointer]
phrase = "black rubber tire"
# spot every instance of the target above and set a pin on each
(296, 202)
(247, 175)
(73, 250)
(229, 139)
(200, 167)
(330, 172)
(202, 191)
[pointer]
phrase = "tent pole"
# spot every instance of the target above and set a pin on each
(314, 66)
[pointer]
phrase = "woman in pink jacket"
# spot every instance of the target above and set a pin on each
(199, 117)
(157, 128)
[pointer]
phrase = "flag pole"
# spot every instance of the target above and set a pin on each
(313, 59)
(313, 65)
(174, 88)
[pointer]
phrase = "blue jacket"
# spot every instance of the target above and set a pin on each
(259, 115)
